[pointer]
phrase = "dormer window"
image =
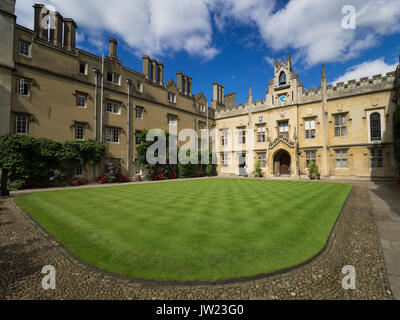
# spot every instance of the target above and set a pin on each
(282, 79)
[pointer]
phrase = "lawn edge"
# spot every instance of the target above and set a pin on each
(158, 283)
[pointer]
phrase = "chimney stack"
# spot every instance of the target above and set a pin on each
(146, 63)
(218, 96)
(69, 34)
(179, 77)
(56, 34)
(160, 67)
(113, 48)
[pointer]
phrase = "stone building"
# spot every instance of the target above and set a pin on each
(50, 88)
(347, 128)
(61, 92)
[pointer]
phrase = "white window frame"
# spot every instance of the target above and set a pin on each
(310, 156)
(115, 78)
(224, 137)
(110, 135)
(262, 158)
(27, 47)
(79, 128)
(202, 108)
(113, 106)
(224, 160)
(171, 97)
(21, 87)
(79, 100)
(21, 122)
(141, 113)
(261, 133)
(241, 136)
(139, 86)
(310, 129)
(341, 157)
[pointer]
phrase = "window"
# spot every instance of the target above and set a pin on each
(172, 121)
(341, 159)
(310, 156)
(310, 129)
(261, 156)
(79, 131)
(202, 108)
(376, 156)
(82, 68)
(224, 160)
(282, 79)
(24, 48)
(79, 170)
(139, 87)
(375, 126)
(224, 137)
(21, 125)
(139, 112)
(23, 87)
(340, 125)
(137, 137)
(171, 97)
(261, 133)
(284, 129)
(113, 77)
(113, 107)
(112, 135)
(81, 101)
(202, 125)
(242, 135)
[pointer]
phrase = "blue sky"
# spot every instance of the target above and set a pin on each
(234, 42)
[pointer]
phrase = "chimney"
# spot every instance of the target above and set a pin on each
(113, 48)
(179, 77)
(56, 34)
(160, 66)
(38, 20)
(218, 96)
(146, 61)
(69, 34)
(189, 85)
(153, 69)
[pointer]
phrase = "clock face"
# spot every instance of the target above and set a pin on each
(260, 119)
(282, 99)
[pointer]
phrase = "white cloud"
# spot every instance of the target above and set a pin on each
(366, 69)
(310, 29)
(313, 28)
(154, 27)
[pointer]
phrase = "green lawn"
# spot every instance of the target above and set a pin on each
(191, 230)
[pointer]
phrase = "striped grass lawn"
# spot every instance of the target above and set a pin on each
(192, 230)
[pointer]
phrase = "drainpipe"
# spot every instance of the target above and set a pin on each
(128, 156)
(102, 98)
(96, 74)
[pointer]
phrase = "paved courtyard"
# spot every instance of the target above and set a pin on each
(25, 248)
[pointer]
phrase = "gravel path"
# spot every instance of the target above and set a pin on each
(25, 249)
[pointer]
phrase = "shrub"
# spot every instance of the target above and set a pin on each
(173, 175)
(158, 176)
(138, 177)
(102, 179)
(313, 170)
(258, 171)
(123, 179)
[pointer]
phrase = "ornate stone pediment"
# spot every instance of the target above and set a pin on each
(284, 139)
(170, 84)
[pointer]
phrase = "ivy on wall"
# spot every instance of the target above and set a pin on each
(37, 161)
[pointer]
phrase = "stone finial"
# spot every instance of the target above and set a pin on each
(323, 74)
(250, 98)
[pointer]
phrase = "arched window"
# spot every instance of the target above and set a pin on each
(375, 125)
(282, 79)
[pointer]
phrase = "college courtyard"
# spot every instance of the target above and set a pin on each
(301, 200)
(200, 253)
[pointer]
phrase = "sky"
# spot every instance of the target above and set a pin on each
(234, 42)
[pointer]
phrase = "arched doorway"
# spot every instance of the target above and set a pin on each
(282, 163)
